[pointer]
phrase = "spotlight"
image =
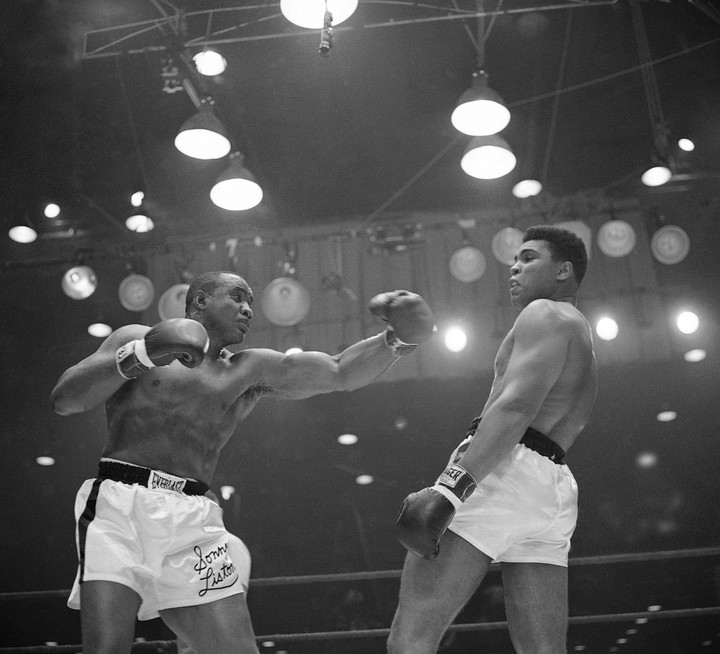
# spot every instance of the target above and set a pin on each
(616, 238)
(670, 244)
(347, 439)
(686, 144)
(527, 188)
(364, 480)
(505, 244)
(311, 13)
(136, 199)
(136, 292)
(488, 157)
(694, 356)
(606, 328)
(666, 416)
(236, 188)
(52, 210)
(99, 329)
(210, 63)
(22, 234)
(226, 492)
(480, 110)
(203, 136)
(687, 322)
(285, 301)
(467, 264)
(45, 461)
(455, 339)
(656, 176)
(79, 282)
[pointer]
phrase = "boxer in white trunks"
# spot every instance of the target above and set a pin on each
(150, 542)
(507, 494)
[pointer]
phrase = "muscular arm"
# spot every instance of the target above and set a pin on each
(95, 379)
(538, 356)
(304, 374)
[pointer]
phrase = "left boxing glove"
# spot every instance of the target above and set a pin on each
(425, 515)
(409, 318)
(178, 338)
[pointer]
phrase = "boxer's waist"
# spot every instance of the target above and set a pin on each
(535, 440)
(128, 473)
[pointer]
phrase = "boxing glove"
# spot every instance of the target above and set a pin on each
(409, 318)
(425, 515)
(178, 338)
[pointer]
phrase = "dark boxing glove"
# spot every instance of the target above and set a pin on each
(409, 318)
(425, 515)
(178, 338)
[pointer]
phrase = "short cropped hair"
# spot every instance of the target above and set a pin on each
(206, 282)
(564, 246)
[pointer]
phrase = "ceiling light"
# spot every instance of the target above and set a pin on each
(22, 234)
(467, 264)
(695, 355)
(226, 492)
(687, 322)
(45, 461)
(136, 292)
(52, 210)
(666, 416)
(670, 244)
(347, 439)
(488, 157)
(527, 188)
(139, 223)
(505, 244)
(480, 110)
(616, 238)
(79, 282)
(364, 480)
(606, 328)
(311, 13)
(686, 144)
(236, 188)
(203, 136)
(455, 339)
(656, 176)
(137, 198)
(99, 329)
(210, 63)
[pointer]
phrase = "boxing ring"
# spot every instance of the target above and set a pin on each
(283, 641)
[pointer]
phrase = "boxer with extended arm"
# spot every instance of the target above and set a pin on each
(506, 493)
(150, 542)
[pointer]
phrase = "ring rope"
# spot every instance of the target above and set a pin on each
(383, 633)
(661, 555)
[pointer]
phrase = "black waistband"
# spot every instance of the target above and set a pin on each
(132, 474)
(535, 440)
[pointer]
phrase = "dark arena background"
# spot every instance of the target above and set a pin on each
(363, 191)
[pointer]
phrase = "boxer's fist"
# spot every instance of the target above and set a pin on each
(406, 313)
(423, 519)
(425, 515)
(178, 338)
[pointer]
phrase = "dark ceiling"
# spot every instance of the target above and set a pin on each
(361, 137)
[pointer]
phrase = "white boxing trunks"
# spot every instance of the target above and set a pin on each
(169, 547)
(524, 511)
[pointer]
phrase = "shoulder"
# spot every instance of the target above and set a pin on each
(548, 317)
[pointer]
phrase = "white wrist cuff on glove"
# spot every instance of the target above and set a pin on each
(444, 490)
(141, 353)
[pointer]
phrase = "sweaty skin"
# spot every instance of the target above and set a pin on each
(177, 419)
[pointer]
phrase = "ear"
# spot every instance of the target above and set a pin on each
(565, 271)
(200, 300)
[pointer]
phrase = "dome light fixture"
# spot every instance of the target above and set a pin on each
(488, 157)
(236, 188)
(311, 13)
(480, 110)
(203, 136)
(79, 282)
(656, 175)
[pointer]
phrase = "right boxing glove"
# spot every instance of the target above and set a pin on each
(425, 515)
(178, 338)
